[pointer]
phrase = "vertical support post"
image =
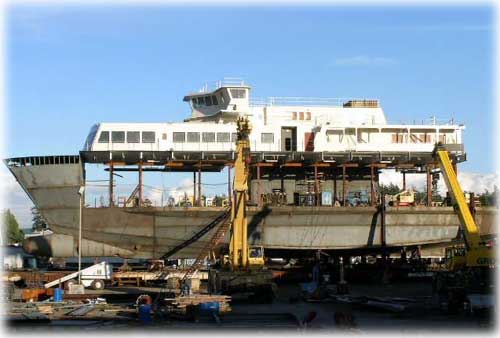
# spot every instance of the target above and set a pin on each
(111, 188)
(80, 237)
(372, 187)
(382, 225)
(343, 185)
(199, 185)
(429, 185)
(334, 186)
(229, 190)
(404, 180)
(316, 188)
(259, 187)
(140, 184)
(194, 188)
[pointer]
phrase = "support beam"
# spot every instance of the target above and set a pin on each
(111, 183)
(194, 188)
(316, 188)
(140, 184)
(229, 190)
(372, 187)
(343, 185)
(259, 188)
(334, 197)
(404, 180)
(429, 186)
(199, 186)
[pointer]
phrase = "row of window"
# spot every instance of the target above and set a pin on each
(210, 100)
(132, 137)
(206, 137)
(301, 115)
(178, 137)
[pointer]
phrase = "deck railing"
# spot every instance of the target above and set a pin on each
(311, 101)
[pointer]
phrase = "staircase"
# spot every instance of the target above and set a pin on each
(214, 241)
(221, 218)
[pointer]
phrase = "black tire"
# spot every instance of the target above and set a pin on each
(98, 284)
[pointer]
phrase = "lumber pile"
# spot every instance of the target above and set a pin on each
(183, 305)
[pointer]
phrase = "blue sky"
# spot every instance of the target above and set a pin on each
(70, 67)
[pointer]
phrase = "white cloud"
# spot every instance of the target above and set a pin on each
(363, 60)
(472, 182)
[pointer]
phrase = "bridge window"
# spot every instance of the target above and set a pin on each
(234, 137)
(267, 138)
(117, 137)
(193, 137)
(208, 100)
(238, 93)
(164, 136)
(223, 137)
(148, 137)
(214, 100)
(104, 137)
(133, 136)
(179, 137)
(208, 137)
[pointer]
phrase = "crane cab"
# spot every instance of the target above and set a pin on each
(256, 256)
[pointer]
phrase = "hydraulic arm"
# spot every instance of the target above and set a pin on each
(239, 240)
(477, 253)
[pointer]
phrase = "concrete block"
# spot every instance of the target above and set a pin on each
(76, 289)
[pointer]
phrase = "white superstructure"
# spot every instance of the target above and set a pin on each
(278, 125)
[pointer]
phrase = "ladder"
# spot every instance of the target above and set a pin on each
(132, 196)
(221, 218)
(214, 241)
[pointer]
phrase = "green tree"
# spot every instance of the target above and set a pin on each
(39, 223)
(390, 189)
(489, 198)
(11, 232)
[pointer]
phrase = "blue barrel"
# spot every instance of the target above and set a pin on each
(145, 313)
(58, 295)
(209, 307)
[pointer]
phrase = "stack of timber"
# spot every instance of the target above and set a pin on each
(183, 304)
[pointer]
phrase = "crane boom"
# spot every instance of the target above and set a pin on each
(469, 227)
(477, 253)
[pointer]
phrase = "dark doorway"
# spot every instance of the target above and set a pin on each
(288, 139)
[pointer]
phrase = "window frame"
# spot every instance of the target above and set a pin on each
(116, 132)
(228, 137)
(191, 133)
(153, 140)
(138, 136)
(204, 136)
(177, 133)
(100, 135)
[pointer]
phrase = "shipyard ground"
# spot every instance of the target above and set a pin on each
(288, 312)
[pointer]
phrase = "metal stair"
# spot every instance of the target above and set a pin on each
(221, 218)
(214, 241)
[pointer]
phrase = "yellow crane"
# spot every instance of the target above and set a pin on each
(470, 267)
(247, 271)
(241, 256)
(476, 252)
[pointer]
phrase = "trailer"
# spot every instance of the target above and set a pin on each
(94, 276)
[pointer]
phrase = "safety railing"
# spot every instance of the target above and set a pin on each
(42, 160)
(314, 101)
(225, 82)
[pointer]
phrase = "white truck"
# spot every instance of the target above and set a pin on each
(94, 276)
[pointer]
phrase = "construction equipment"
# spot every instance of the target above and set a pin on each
(93, 276)
(403, 199)
(246, 271)
(470, 267)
